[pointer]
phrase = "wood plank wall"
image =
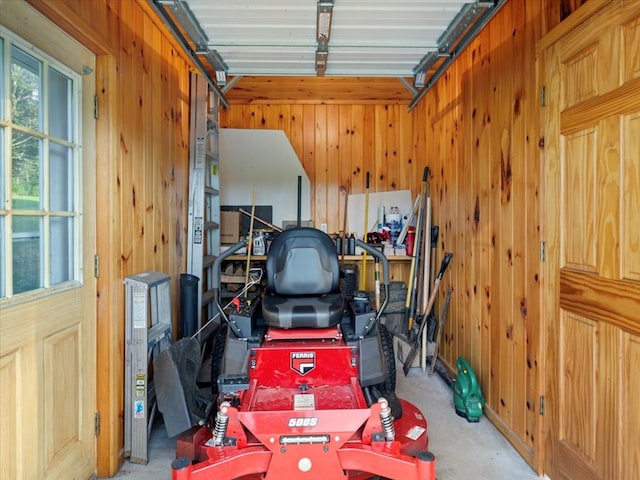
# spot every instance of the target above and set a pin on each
(477, 131)
(338, 144)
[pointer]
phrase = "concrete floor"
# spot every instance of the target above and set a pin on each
(463, 450)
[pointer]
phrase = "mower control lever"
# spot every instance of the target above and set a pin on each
(378, 254)
(385, 277)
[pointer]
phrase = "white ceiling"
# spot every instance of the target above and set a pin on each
(368, 38)
(416, 39)
(373, 38)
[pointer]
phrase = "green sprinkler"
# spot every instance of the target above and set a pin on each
(467, 396)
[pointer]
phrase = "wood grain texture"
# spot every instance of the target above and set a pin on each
(592, 306)
(318, 90)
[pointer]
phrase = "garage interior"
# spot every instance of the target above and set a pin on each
(529, 129)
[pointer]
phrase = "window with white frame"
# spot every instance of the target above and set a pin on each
(40, 207)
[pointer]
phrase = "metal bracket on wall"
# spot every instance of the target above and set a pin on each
(463, 29)
(195, 43)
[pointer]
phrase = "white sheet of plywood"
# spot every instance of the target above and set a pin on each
(355, 211)
(266, 159)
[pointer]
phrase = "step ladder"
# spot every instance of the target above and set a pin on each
(147, 333)
(203, 228)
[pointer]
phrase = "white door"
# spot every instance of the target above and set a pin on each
(47, 245)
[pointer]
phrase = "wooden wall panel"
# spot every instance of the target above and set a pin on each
(630, 40)
(629, 456)
(338, 144)
(62, 360)
(631, 173)
(578, 356)
(579, 198)
(10, 434)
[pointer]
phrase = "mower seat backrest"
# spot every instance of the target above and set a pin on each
(303, 281)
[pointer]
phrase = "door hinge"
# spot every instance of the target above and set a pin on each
(543, 251)
(543, 96)
(96, 425)
(95, 107)
(96, 266)
(541, 405)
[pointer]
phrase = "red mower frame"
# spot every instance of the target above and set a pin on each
(303, 415)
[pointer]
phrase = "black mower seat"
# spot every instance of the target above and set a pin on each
(303, 281)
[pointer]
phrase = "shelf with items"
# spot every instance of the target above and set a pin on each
(399, 267)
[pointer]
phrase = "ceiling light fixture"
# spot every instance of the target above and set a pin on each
(221, 78)
(216, 63)
(323, 24)
(321, 61)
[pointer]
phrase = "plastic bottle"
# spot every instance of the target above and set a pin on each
(258, 244)
(411, 233)
(339, 243)
(351, 244)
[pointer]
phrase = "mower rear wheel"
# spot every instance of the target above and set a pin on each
(389, 385)
(387, 389)
(217, 353)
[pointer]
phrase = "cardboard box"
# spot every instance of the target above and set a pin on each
(230, 227)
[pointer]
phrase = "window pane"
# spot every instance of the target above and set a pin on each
(26, 172)
(60, 178)
(61, 249)
(60, 102)
(2, 167)
(26, 73)
(3, 260)
(2, 90)
(27, 253)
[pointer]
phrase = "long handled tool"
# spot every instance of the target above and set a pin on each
(343, 234)
(423, 292)
(250, 242)
(443, 317)
(416, 344)
(363, 276)
(411, 290)
(262, 221)
(435, 232)
(377, 282)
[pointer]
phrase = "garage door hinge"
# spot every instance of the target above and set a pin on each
(543, 251)
(95, 107)
(97, 424)
(541, 405)
(543, 96)
(96, 266)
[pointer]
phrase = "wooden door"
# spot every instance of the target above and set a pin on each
(591, 75)
(47, 332)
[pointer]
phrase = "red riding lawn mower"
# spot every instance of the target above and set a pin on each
(306, 380)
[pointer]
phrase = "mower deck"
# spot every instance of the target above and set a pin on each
(304, 415)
